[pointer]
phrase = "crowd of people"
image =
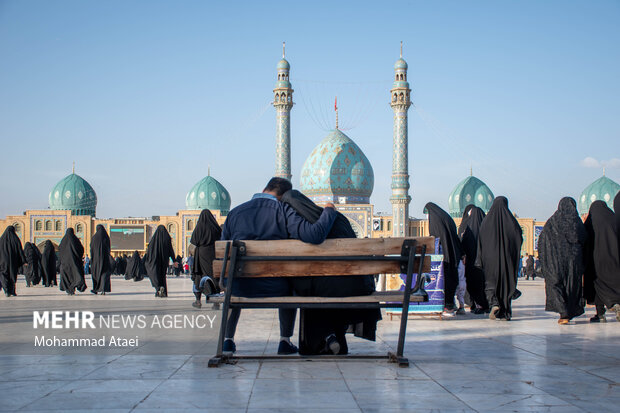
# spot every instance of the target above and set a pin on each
(579, 261)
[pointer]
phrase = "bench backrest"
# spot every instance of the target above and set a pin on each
(293, 265)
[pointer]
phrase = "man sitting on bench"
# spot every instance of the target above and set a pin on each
(264, 217)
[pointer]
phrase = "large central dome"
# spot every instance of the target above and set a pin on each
(337, 171)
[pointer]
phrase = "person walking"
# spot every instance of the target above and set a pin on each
(560, 249)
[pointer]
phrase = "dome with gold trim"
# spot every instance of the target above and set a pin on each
(337, 171)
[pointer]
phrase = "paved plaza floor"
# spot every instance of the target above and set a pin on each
(465, 364)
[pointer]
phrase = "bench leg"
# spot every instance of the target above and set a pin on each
(217, 360)
(400, 360)
(406, 299)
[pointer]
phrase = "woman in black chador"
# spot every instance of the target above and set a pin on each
(499, 246)
(323, 331)
(11, 258)
(205, 234)
(468, 232)
(135, 268)
(617, 216)
(32, 272)
(442, 226)
(560, 250)
(71, 252)
(602, 257)
(100, 261)
(48, 264)
(156, 260)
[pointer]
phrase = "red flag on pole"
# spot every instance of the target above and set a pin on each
(336, 103)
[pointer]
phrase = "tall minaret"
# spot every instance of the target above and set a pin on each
(400, 102)
(283, 102)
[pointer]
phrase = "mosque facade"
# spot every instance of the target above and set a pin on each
(336, 171)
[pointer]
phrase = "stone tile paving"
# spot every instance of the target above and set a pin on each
(467, 364)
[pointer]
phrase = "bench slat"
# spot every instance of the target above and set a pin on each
(330, 247)
(319, 268)
(380, 297)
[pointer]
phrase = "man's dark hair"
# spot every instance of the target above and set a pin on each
(278, 185)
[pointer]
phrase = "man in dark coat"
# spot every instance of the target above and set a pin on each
(468, 232)
(442, 226)
(205, 234)
(71, 252)
(560, 248)
(101, 269)
(11, 258)
(499, 245)
(48, 264)
(323, 330)
(602, 256)
(264, 217)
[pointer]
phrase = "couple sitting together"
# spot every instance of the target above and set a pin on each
(280, 212)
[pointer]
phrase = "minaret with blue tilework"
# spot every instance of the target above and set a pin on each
(400, 102)
(283, 102)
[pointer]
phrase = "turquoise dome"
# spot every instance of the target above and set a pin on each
(283, 64)
(470, 191)
(401, 64)
(74, 194)
(337, 171)
(603, 189)
(208, 193)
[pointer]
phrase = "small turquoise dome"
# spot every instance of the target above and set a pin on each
(283, 64)
(401, 64)
(470, 191)
(208, 193)
(337, 171)
(74, 194)
(603, 189)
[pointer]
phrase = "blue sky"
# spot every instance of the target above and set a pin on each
(145, 95)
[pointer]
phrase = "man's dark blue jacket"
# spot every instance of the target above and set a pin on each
(266, 218)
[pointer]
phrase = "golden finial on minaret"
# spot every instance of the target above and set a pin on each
(73, 169)
(401, 49)
(283, 49)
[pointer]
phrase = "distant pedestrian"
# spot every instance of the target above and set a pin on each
(602, 259)
(48, 264)
(442, 226)
(86, 265)
(71, 252)
(529, 267)
(499, 244)
(11, 258)
(560, 248)
(205, 234)
(156, 259)
(102, 268)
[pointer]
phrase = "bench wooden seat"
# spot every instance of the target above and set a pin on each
(334, 257)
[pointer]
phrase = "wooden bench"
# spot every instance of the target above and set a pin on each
(334, 257)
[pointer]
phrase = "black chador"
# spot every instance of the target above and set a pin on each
(560, 250)
(468, 232)
(205, 234)
(602, 256)
(48, 264)
(71, 252)
(317, 325)
(499, 246)
(11, 258)
(156, 260)
(442, 226)
(32, 271)
(135, 268)
(101, 269)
